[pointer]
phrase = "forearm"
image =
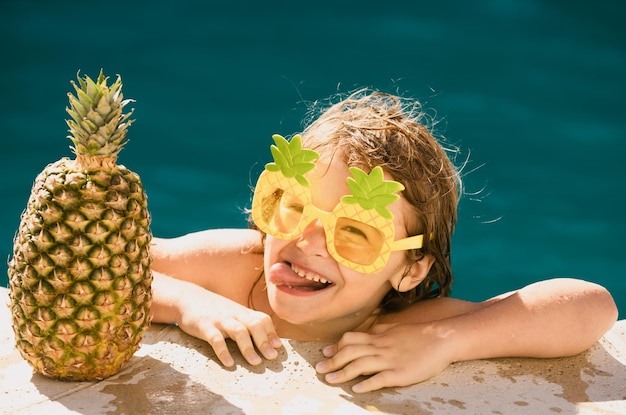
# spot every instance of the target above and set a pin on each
(166, 296)
(548, 319)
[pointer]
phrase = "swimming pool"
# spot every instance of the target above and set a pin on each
(531, 91)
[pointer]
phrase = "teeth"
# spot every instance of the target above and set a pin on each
(310, 277)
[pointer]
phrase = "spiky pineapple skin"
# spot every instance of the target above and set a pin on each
(80, 278)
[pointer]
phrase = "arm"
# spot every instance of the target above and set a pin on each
(224, 261)
(202, 281)
(552, 318)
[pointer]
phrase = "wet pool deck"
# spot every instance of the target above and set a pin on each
(174, 373)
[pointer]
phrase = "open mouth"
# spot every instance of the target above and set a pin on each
(307, 280)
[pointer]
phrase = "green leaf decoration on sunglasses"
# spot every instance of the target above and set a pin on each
(291, 159)
(372, 191)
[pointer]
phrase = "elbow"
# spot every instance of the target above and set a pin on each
(604, 305)
(608, 307)
(601, 310)
(594, 310)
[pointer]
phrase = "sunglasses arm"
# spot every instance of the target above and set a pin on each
(413, 242)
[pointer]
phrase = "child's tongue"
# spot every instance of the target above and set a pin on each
(284, 275)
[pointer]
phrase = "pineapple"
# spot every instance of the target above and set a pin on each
(80, 278)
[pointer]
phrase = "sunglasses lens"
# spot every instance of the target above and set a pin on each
(357, 241)
(281, 213)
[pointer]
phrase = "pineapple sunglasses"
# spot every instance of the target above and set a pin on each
(359, 231)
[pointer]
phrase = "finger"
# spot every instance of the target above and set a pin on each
(216, 339)
(347, 355)
(348, 339)
(330, 351)
(378, 381)
(362, 366)
(240, 334)
(268, 348)
(351, 338)
(264, 336)
(275, 340)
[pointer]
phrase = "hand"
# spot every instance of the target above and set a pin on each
(211, 317)
(395, 354)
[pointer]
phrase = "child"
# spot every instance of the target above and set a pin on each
(351, 246)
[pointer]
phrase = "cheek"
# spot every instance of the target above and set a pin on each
(396, 267)
(364, 289)
(383, 279)
(272, 247)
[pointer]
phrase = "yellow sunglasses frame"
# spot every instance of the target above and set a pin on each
(269, 181)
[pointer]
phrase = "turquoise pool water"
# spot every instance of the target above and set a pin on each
(532, 91)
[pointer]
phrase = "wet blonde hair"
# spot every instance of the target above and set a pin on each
(369, 129)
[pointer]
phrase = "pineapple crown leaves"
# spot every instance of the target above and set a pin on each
(98, 126)
(372, 191)
(291, 159)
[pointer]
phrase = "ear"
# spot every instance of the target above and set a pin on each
(419, 270)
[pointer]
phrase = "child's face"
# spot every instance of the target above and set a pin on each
(305, 284)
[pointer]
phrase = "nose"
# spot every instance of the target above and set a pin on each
(313, 240)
